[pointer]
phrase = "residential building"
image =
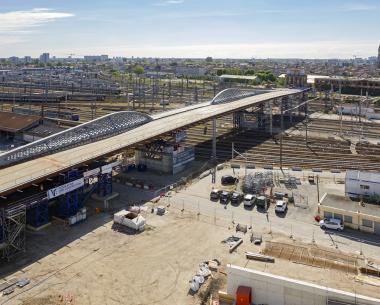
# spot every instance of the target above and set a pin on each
(44, 58)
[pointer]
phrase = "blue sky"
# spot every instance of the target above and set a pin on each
(191, 28)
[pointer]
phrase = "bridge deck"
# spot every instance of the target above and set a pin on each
(23, 174)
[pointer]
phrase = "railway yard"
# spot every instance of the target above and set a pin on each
(96, 262)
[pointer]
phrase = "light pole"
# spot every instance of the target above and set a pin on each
(233, 150)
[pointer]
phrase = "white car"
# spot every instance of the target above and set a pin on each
(249, 200)
(281, 206)
(331, 223)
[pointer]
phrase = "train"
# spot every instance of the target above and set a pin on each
(63, 115)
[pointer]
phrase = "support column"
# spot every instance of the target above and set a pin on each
(214, 150)
(270, 118)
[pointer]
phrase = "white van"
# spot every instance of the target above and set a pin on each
(249, 200)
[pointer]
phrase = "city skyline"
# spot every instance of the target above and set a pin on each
(190, 28)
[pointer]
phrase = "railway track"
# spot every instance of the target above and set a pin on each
(260, 149)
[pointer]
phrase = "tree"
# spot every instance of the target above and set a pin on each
(209, 59)
(138, 69)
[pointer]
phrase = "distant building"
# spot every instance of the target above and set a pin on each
(44, 58)
(378, 57)
(14, 60)
(190, 71)
(27, 59)
(243, 79)
(296, 78)
(95, 58)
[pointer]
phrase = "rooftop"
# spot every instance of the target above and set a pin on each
(344, 203)
(14, 122)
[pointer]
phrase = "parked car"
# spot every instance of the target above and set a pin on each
(228, 180)
(236, 198)
(215, 194)
(225, 197)
(281, 206)
(249, 200)
(331, 223)
(262, 202)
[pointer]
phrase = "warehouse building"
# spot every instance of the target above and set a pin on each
(13, 125)
(354, 214)
(360, 184)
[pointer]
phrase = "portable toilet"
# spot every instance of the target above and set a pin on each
(243, 295)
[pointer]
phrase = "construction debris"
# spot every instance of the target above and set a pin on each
(259, 257)
(256, 239)
(233, 242)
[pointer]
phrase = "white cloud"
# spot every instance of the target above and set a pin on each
(20, 21)
(169, 2)
(317, 49)
(359, 7)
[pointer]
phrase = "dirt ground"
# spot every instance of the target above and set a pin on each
(98, 265)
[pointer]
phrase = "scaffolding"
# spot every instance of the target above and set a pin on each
(14, 221)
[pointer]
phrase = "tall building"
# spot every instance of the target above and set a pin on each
(44, 58)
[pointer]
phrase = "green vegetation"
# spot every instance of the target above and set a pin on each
(138, 69)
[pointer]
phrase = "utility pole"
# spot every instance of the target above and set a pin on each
(281, 132)
(214, 150)
(318, 187)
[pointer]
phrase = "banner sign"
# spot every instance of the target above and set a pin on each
(108, 168)
(91, 173)
(180, 136)
(66, 188)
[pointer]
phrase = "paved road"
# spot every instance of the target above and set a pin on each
(297, 223)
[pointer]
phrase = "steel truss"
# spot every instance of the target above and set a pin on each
(233, 94)
(95, 130)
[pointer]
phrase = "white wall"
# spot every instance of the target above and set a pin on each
(276, 290)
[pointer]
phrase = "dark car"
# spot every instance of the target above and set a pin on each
(236, 198)
(228, 180)
(215, 194)
(225, 197)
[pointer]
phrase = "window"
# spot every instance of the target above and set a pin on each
(367, 223)
(347, 219)
(364, 187)
(338, 216)
(327, 214)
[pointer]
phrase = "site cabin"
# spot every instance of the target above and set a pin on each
(130, 219)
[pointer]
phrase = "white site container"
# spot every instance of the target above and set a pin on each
(130, 220)
(72, 220)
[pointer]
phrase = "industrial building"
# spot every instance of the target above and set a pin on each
(267, 288)
(13, 125)
(354, 214)
(361, 184)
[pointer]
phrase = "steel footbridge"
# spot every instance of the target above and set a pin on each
(105, 136)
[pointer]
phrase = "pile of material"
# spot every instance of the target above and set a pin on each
(257, 183)
(199, 279)
(233, 242)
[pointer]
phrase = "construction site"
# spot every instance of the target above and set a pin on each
(85, 146)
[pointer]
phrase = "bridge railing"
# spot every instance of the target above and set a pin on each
(106, 126)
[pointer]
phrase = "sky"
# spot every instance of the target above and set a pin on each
(191, 28)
